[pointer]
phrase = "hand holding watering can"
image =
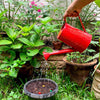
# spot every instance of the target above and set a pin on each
(79, 40)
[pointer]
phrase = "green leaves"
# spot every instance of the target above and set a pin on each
(26, 29)
(16, 46)
(5, 42)
(4, 48)
(25, 57)
(11, 33)
(35, 63)
(91, 58)
(13, 72)
(32, 43)
(26, 41)
(97, 2)
(37, 28)
(46, 49)
(46, 20)
(1, 14)
(32, 52)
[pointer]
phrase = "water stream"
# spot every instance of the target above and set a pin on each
(44, 69)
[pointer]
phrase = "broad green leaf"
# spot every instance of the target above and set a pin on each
(95, 43)
(35, 63)
(30, 28)
(25, 34)
(97, 2)
(3, 74)
(20, 27)
(91, 58)
(46, 20)
(5, 42)
(26, 41)
(46, 49)
(45, 34)
(13, 54)
(39, 43)
(34, 38)
(11, 33)
(1, 14)
(37, 29)
(3, 66)
(4, 48)
(32, 52)
(13, 72)
(25, 57)
(16, 46)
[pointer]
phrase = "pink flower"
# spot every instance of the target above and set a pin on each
(35, 4)
(39, 16)
(42, 4)
(94, 14)
(30, 6)
(32, 3)
(39, 10)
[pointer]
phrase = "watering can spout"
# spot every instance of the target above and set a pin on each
(47, 55)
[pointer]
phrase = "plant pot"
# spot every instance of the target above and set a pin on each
(57, 45)
(40, 88)
(3, 34)
(26, 71)
(96, 84)
(79, 72)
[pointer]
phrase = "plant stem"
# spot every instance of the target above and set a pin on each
(17, 9)
(9, 10)
(4, 7)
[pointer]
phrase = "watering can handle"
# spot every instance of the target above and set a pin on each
(80, 21)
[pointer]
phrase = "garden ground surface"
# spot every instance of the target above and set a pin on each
(12, 89)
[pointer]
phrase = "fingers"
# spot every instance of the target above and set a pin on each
(70, 14)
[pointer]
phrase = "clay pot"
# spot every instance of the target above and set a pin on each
(57, 45)
(96, 84)
(26, 71)
(79, 72)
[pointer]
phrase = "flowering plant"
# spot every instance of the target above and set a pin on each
(35, 10)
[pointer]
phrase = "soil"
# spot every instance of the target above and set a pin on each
(40, 87)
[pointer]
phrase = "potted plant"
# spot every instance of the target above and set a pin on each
(95, 36)
(77, 67)
(25, 45)
(53, 29)
(96, 73)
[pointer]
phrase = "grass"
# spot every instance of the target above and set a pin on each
(67, 90)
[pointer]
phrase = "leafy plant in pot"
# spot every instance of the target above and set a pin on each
(95, 36)
(25, 47)
(77, 67)
(53, 29)
(96, 79)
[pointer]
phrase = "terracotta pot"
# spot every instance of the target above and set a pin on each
(57, 45)
(26, 71)
(96, 84)
(79, 72)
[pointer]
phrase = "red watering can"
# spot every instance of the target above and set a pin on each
(79, 40)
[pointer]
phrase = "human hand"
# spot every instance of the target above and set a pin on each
(71, 12)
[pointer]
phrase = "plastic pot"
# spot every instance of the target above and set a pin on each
(40, 96)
